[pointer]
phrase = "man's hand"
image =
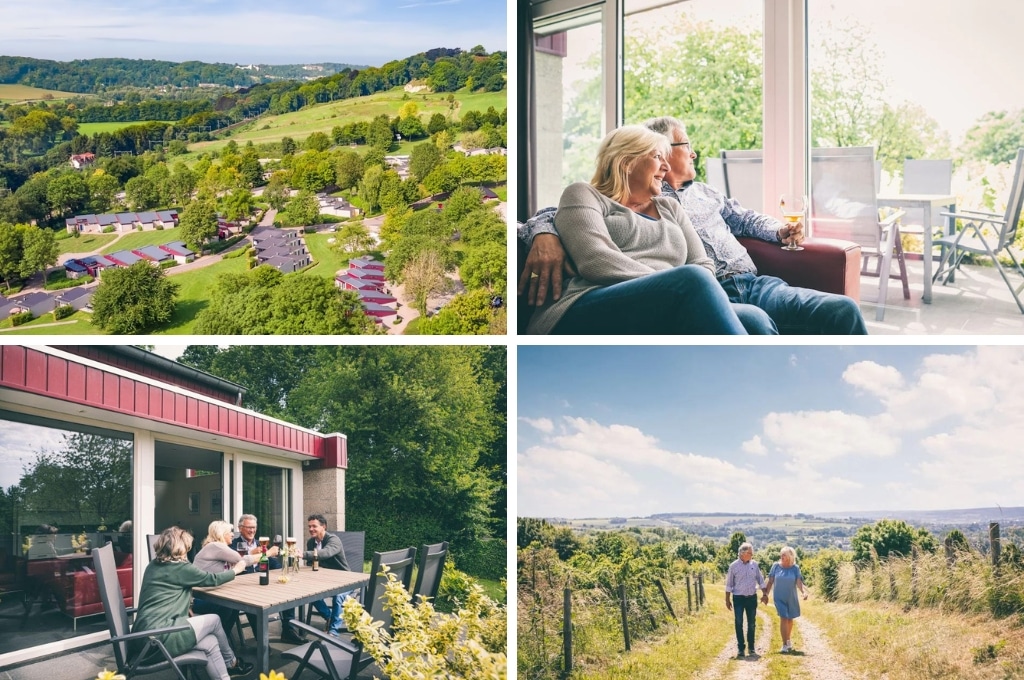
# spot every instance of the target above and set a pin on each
(728, 603)
(543, 269)
(764, 599)
(792, 234)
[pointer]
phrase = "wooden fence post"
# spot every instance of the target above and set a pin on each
(892, 581)
(567, 632)
(913, 574)
(625, 619)
(689, 602)
(993, 539)
(664, 595)
(949, 551)
(700, 581)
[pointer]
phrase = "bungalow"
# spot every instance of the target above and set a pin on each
(97, 263)
(106, 220)
(347, 282)
(288, 263)
(37, 303)
(7, 307)
(81, 160)
(154, 254)
(226, 230)
(125, 221)
(152, 420)
(147, 219)
(80, 223)
(365, 262)
(73, 269)
(78, 297)
(378, 311)
(367, 274)
(124, 258)
(179, 251)
(337, 206)
(167, 218)
(376, 296)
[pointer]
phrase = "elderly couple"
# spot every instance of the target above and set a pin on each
(650, 251)
(741, 584)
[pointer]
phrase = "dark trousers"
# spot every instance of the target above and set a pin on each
(745, 604)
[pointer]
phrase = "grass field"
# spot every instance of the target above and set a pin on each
(138, 239)
(86, 243)
(78, 323)
(93, 128)
(328, 259)
(194, 294)
(323, 117)
(21, 93)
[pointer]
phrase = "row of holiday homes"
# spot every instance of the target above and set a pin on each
(157, 255)
(365, 276)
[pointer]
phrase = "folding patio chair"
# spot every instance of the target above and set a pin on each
(343, 657)
(154, 657)
(742, 172)
(924, 176)
(987, 234)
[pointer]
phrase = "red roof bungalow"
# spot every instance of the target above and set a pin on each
(346, 282)
(96, 263)
(153, 254)
(365, 262)
(123, 258)
(367, 274)
(378, 311)
(179, 251)
(73, 269)
(377, 297)
(80, 160)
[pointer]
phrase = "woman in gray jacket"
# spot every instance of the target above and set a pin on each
(218, 556)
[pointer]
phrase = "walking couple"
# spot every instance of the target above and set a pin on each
(741, 584)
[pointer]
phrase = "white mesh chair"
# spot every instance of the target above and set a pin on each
(742, 172)
(925, 176)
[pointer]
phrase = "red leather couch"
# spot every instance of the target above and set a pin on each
(76, 589)
(828, 265)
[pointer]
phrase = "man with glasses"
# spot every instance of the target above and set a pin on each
(247, 541)
(766, 305)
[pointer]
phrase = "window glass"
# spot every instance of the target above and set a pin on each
(64, 490)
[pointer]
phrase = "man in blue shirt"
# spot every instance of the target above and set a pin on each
(766, 305)
(741, 584)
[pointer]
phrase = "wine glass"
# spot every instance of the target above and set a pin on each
(792, 207)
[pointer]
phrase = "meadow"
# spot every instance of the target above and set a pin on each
(24, 93)
(93, 128)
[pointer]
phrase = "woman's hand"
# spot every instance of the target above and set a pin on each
(238, 567)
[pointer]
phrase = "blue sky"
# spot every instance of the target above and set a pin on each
(605, 431)
(369, 32)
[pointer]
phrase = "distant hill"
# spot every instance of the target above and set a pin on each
(953, 517)
(86, 76)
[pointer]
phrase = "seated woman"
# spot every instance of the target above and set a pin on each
(215, 557)
(164, 599)
(641, 268)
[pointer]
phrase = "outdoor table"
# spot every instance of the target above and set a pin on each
(925, 202)
(246, 594)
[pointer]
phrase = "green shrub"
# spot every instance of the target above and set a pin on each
(20, 318)
(484, 559)
(109, 229)
(59, 281)
(167, 264)
(158, 227)
(455, 588)
(238, 253)
(63, 311)
(388, 529)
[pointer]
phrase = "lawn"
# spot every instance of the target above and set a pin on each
(45, 325)
(86, 243)
(194, 292)
(138, 239)
(93, 128)
(323, 117)
(21, 93)
(328, 259)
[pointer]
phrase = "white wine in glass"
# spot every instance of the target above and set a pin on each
(792, 207)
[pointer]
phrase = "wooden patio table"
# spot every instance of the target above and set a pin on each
(246, 594)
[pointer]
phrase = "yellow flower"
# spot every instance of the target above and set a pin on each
(109, 675)
(274, 675)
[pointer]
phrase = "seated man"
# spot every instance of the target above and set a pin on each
(248, 542)
(765, 304)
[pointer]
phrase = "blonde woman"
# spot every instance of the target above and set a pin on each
(640, 266)
(164, 599)
(786, 579)
(215, 557)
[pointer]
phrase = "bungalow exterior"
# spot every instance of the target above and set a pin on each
(74, 269)
(365, 262)
(167, 218)
(125, 221)
(81, 160)
(147, 219)
(376, 296)
(78, 297)
(96, 263)
(288, 264)
(348, 282)
(155, 423)
(367, 274)
(154, 254)
(37, 303)
(378, 311)
(123, 258)
(179, 251)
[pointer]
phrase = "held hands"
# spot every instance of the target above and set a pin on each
(792, 234)
(543, 269)
(764, 599)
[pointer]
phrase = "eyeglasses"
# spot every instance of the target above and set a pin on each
(686, 144)
(244, 527)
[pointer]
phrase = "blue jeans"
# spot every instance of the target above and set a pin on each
(332, 614)
(685, 300)
(797, 311)
(745, 604)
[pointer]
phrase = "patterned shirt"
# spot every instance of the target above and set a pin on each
(717, 219)
(744, 579)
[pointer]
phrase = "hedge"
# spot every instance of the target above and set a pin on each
(59, 281)
(167, 264)
(486, 558)
(63, 311)
(386, 530)
(20, 318)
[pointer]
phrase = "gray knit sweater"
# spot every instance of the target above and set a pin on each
(609, 243)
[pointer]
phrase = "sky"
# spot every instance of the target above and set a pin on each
(633, 431)
(362, 32)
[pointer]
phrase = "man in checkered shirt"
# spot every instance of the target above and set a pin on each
(741, 584)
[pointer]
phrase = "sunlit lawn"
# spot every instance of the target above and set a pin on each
(328, 259)
(138, 239)
(195, 289)
(86, 243)
(93, 128)
(45, 325)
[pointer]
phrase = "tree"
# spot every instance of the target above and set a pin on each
(198, 224)
(141, 193)
(304, 209)
(181, 184)
(467, 314)
(287, 146)
(392, 192)
(11, 252)
(995, 138)
(461, 203)
(250, 169)
(423, 159)
(348, 169)
(318, 141)
(437, 124)
(353, 237)
(889, 537)
(379, 134)
(238, 205)
(67, 193)
(102, 191)
(369, 188)
(39, 250)
(133, 300)
(423, 276)
(486, 267)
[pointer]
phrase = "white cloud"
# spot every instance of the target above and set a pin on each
(543, 424)
(874, 378)
(812, 437)
(755, 446)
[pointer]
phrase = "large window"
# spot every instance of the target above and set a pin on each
(64, 490)
(265, 493)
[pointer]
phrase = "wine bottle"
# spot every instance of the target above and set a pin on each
(263, 567)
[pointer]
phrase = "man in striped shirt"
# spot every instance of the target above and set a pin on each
(741, 585)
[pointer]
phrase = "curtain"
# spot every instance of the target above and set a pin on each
(526, 175)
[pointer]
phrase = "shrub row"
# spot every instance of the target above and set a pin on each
(63, 311)
(483, 558)
(20, 318)
(59, 281)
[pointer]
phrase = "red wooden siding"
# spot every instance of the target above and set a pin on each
(30, 370)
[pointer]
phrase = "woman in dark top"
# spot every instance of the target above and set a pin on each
(164, 600)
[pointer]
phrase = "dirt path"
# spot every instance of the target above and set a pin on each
(818, 659)
(753, 667)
